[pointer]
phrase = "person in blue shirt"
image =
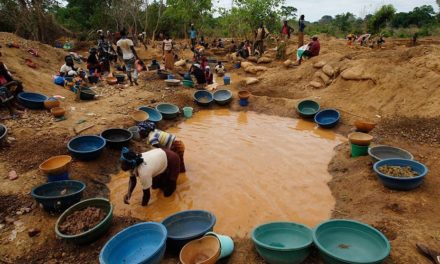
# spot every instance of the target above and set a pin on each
(301, 26)
(193, 36)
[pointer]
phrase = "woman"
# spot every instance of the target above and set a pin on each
(158, 169)
(9, 89)
(199, 74)
(161, 139)
(167, 49)
(93, 64)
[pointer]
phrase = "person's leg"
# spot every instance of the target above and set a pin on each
(171, 174)
(129, 67)
(179, 148)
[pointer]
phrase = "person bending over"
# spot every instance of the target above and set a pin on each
(158, 169)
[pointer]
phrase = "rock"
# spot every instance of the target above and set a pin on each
(315, 84)
(287, 63)
(264, 60)
(252, 59)
(319, 64)
(254, 69)
(246, 64)
(327, 69)
(33, 232)
(251, 80)
(12, 175)
(356, 74)
(11, 139)
(323, 77)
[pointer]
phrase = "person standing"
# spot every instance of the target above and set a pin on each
(128, 53)
(301, 26)
(167, 52)
(260, 35)
(286, 30)
(193, 36)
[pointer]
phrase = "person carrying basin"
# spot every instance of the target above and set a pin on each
(128, 54)
(158, 169)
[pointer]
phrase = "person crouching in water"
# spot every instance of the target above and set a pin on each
(158, 169)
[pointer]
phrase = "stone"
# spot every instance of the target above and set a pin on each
(327, 69)
(33, 232)
(315, 84)
(319, 64)
(12, 175)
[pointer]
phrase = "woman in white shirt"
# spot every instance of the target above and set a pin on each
(167, 48)
(157, 168)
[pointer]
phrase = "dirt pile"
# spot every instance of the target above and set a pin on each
(82, 220)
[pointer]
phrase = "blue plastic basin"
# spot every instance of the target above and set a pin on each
(203, 98)
(32, 100)
(154, 115)
(57, 196)
(223, 97)
(327, 118)
(283, 242)
(58, 177)
(347, 241)
(387, 152)
(140, 243)
(308, 108)
(168, 111)
(397, 183)
(86, 147)
(188, 225)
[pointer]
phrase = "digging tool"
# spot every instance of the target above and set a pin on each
(433, 255)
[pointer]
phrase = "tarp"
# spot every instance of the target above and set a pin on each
(300, 51)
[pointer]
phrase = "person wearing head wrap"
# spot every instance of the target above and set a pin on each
(158, 169)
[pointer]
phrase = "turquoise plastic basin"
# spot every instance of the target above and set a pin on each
(347, 241)
(283, 242)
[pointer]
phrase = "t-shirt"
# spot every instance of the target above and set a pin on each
(125, 44)
(219, 69)
(261, 33)
(301, 25)
(155, 163)
(67, 70)
(168, 44)
(193, 34)
(315, 47)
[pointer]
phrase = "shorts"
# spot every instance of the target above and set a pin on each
(129, 65)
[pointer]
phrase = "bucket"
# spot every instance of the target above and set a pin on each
(227, 80)
(135, 131)
(226, 244)
(58, 177)
(187, 77)
(170, 77)
(188, 111)
(244, 102)
(358, 151)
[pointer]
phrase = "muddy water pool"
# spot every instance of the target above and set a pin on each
(247, 169)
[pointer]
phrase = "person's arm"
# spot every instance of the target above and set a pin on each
(131, 186)
(134, 52)
(119, 51)
(163, 48)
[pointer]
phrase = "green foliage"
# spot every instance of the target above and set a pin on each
(380, 19)
(288, 12)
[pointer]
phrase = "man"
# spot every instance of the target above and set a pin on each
(9, 89)
(301, 26)
(286, 30)
(129, 56)
(260, 35)
(157, 168)
(193, 36)
(313, 49)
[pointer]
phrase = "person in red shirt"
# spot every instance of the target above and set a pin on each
(314, 48)
(286, 30)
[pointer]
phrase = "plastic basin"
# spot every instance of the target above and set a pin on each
(120, 78)
(86, 147)
(364, 126)
(58, 111)
(58, 177)
(32, 100)
(327, 118)
(203, 98)
(223, 97)
(55, 197)
(3, 132)
(93, 233)
(359, 138)
(187, 111)
(140, 116)
(227, 80)
(244, 102)
(168, 111)
(140, 243)
(153, 114)
(87, 94)
(308, 108)
(186, 226)
(244, 94)
(93, 79)
(51, 103)
(282, 242)
(347, 241)
(205, 250)
(172, 82)
(188, 83)
(387, 152)
(117, 137)
(56, 165)
(398, 183)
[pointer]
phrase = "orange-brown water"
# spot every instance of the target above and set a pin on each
(247, 169)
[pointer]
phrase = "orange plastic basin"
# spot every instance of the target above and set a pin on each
(56, 164)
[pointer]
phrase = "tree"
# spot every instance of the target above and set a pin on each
(288, 12)
(255, 12)
(344, 22)
(326, 19)
(381, 18)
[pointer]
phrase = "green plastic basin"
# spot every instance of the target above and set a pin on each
(282, 242)
(358, 151)
(347, 241)
(91, 234)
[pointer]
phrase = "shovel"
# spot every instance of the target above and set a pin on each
(433, 255)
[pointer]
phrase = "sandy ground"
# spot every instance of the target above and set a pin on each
(400, 91)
